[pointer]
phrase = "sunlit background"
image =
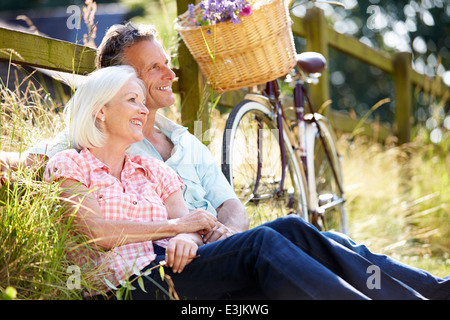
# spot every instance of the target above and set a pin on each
(421, 27)
(398, 196)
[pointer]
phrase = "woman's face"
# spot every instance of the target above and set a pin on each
(123, 117)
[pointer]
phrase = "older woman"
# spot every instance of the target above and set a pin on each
(136, 200)
(132, 208)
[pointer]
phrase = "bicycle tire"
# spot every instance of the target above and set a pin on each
(240, 165)
(326, 192)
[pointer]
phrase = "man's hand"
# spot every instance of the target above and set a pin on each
(8, 162)
(11, 161)
(180, 251)
(219, 232)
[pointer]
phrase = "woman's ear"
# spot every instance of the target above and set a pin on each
(101, 115)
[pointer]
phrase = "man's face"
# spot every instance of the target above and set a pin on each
(151, 63)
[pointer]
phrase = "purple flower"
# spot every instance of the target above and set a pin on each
(191, 9)
(213, 11)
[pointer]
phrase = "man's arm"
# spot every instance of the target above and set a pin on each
(36, 157)
(231, 214)
(12, 161)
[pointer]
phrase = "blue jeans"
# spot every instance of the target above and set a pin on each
(284, 259)
(428, 285)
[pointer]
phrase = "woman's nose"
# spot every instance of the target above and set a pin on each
(143, 108)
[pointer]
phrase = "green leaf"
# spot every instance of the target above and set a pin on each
(10, 293)
(147, 272)
(109, 284)
(161, 272)
(141, 284)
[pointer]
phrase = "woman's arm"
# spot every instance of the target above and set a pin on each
(182, 248)
(109, 233)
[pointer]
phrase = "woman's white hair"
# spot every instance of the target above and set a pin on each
(98, 88)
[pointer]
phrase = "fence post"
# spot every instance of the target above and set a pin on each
(190, 82)
(317, 40)
(403, 96)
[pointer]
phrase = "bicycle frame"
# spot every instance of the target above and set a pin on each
(272, 92)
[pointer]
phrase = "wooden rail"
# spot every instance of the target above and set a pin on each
(38, 51)
(43, 52)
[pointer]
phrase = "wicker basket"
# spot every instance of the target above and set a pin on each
(255, 51)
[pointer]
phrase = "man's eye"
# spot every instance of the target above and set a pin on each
(132, 99)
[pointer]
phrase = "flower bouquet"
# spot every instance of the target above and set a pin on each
(239, 43)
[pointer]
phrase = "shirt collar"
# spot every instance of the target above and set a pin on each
(168, 127)
(95, 163)
(129, 166)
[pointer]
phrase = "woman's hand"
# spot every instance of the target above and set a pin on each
(180, 251)
(197, 220)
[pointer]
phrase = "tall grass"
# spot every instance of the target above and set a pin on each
(33, 226)
(398, 200)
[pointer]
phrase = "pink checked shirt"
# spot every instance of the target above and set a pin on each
(139, 196)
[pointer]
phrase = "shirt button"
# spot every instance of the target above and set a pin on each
(135, 202)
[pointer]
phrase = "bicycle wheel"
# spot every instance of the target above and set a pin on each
(326, 184)
(251, 161)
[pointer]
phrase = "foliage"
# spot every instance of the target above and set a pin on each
(417, 26)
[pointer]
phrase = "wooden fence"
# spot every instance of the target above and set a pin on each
(43, 52)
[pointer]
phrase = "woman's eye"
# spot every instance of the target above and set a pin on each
(132, 100)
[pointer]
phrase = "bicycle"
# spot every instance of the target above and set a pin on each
(288, 165)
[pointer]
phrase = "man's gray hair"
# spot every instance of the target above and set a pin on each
(111, 51)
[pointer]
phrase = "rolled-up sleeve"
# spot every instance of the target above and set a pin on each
(65, 165)
(217, 188)
(50, 148)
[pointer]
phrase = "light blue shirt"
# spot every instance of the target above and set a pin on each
(204, 184)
